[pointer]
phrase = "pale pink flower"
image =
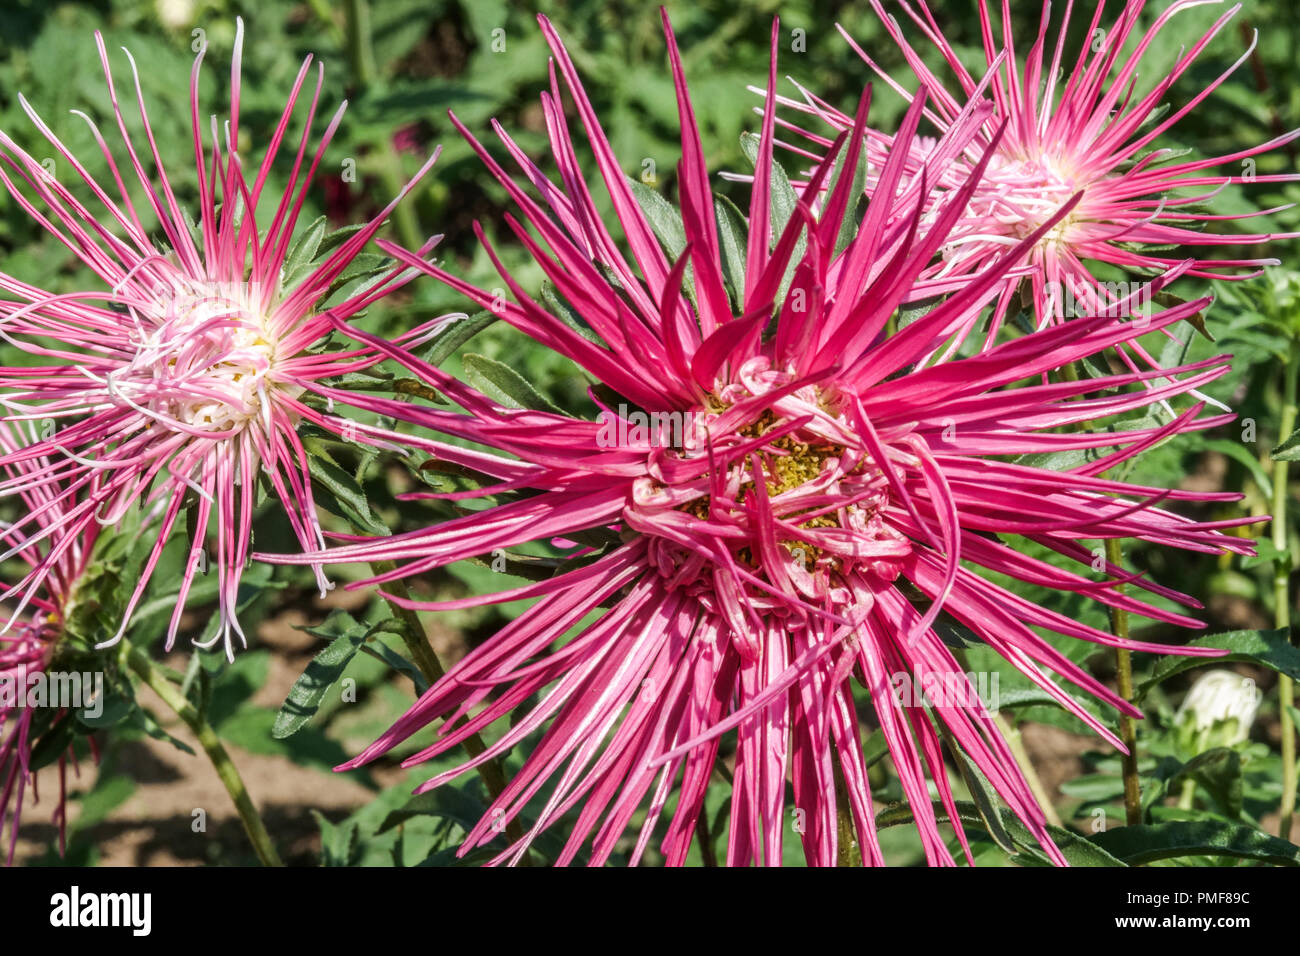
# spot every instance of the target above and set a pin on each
(179, 372)
(1074, 124)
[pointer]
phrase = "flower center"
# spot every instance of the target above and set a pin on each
(212, 357)
(780, 490)
(1021, 194)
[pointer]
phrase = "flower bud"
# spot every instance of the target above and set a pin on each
(1217, 712)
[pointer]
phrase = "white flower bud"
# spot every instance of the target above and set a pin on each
(1219, 710)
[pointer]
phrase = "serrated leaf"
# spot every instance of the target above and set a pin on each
(1076, 850)
(1289, 450)
(303, 251)
(1273, 649)
(1147, 843)
(343, 489)
(338, 843)
(304, 698)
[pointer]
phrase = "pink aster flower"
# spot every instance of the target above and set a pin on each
(1072, 126)
(821, 501)
(181, 368)
(27, 648)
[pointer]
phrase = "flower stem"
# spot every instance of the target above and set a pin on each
(212, 746)
(1014, 740)
(1282, 591)
(361, 55)
(707, 853)
(848, 851)
(424, 657)
(1124, 679)
(1123, 666)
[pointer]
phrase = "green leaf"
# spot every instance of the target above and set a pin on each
(1239, 453)
(305, 697)
(303, 251)
(338, 844)
(446, 342)
(784, 199)
(1036, 696)
(733, 241)
(1162, 841)
(1076, 457)
(1196, 320)
(1076, 850)
(1094, 787)
(564, 312)
(1218, 771)
(146, 721)
(1289, 450)
(53, 744)
(458, 804)
(1266, 552)
(983, 795)
(503, 383)
(1273, 649)
(115, 705)
(348, 495)
(849, 227)
(665, 221)
(382, 652)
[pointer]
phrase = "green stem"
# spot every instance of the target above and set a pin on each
(848, 851)
(1282, 591)
(707, 853)
(1123, 665)
(1014, 740)
(361, 55)
(213, 747)
(417, 645)
(1124, 679)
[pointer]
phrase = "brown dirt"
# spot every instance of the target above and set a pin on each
(155, 825)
